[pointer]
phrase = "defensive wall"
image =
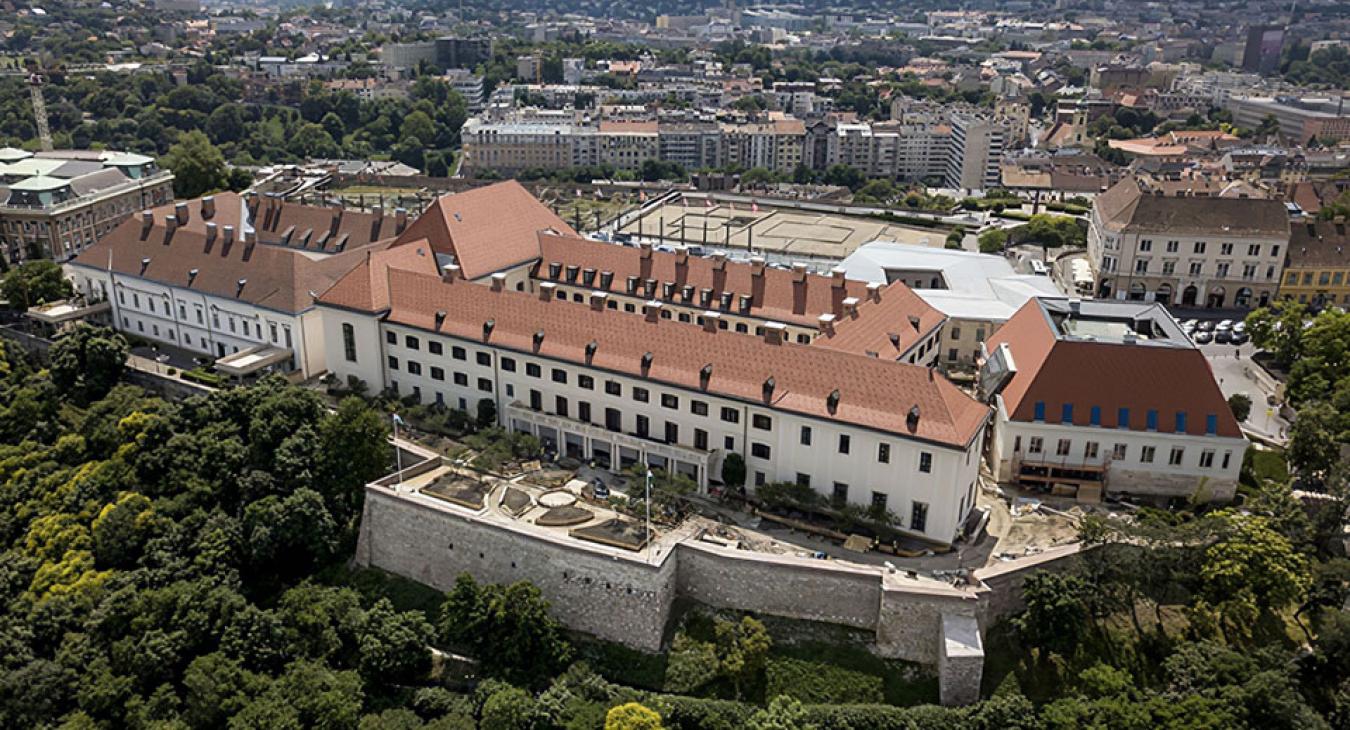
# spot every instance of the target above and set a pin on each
(627, 597)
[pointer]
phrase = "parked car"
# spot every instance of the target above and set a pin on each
(1227, 324)
(1240, 326)
(599, 488)
(1223, 337)
(1205, 326)
(1203, 337)
(1240, 338)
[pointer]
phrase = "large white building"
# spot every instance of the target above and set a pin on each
(1095, 397)
(230, 279)
(1187, 251)
(977, 292)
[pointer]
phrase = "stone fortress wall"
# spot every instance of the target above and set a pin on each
(627, 597)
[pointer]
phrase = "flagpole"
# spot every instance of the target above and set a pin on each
(649, 512)
(398, 455)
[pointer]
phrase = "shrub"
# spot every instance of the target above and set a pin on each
(816, 683)
(691, 666)
(198, 375)
(1241, 405)
(692, 713)
(788, 495)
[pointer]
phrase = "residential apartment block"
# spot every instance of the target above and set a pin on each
(1096, 397)
(53, 205)
(1146, 245)
(1317, 267)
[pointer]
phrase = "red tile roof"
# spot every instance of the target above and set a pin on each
(874, 393)
(885, 325)
(276, 277)
(778, 297)
(487, 229)
(366, 288)
(1108, 375)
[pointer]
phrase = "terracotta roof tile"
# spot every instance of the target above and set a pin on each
(874, 393)
(276, 278)
(1108, 375)
(487, 229)
(1126, 207)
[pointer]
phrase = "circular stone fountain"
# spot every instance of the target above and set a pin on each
(557, 498)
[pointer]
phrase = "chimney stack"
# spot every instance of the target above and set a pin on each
(546, 289)
(170, 225)
(400, 220)
(208, 207)
(210, 233)
(710, 320)
(180, 213)
(838, 290)
(851, 306)
(645, 261)
(774, 332)
(653, 311)
(598, 299)
(798, 289)
(874, 291)
(449, 273)
(498, 281)
(147, 222)
(826, 323)
(227, 236)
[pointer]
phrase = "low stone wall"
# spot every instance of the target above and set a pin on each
(1002, 582)
(615, 597)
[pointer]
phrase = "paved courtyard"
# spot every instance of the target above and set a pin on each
(1237, 373)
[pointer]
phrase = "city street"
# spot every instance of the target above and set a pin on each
(1241, 375)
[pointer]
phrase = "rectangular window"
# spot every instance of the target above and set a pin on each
(509, 364)
(698, 407)
(844, 443)
(761, 422)
(1066, 413)
(585, 382)
(1227, 456)
(1095, 416)
(461, 379)
(584, 411)
(1090, 450)
(1034, 445)
(485, 385)
(1038, 411)
(414, 367)
(643, 426)
(839, 496)
(458, 353)
(613, 420)
(1146, 455)
(560, 405)
(1123, 418)
(803, 480)
(483, 359)
(700, 439)
(390, 337)
(731, 415)
(412, 343)
(559, 375)
(884, 453)
(879, 502)
(1207, 459)
(669, 401)
(1181, 422)
(759, 451)
(1151, 420)
(536, 399)
(1211, 424)
(613, 387)
(805, 437)
(1174, 458)
(918, 516)
(672, 432)
(641, 395)
(533, 370)
(435, 348)
(925, 462)
(437, 373)
(393, 363)
(1062, 447)
(348, 342)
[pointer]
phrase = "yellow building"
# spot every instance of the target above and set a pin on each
(1317, 267)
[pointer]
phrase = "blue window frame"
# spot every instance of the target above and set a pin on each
(1066, 413)
(1151, 420)
(1040, 410)
(1181, 421)
(1096, 415)
(1212, 424)
(1123, 418)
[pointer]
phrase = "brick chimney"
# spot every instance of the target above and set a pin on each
(653, 311)
(449, 273)
(498, 281)
(838, 290)
(645, 261)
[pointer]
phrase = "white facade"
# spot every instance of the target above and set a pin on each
(596, 414)
(203, 323)
(1143, 463)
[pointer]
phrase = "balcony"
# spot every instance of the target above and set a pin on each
(67, 310)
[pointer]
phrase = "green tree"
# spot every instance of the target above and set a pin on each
(34, 282)
(993, 240)
(507, 628)
(354, 450)
(394, 646)
(742, 648)
(417, 125)
(733, 470)
(1056, 615)
(87, 361)
(632, 716)
(1241, 405)
(198, 166)
(1251, 569)
(510, 708)
(1279, 331)
(1315, 439)
(783, 713)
